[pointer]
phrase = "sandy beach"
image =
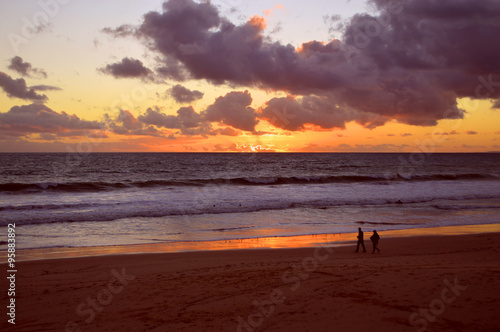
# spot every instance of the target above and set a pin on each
(440, 283)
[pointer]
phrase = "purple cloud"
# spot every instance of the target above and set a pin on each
(25, 68)
(17, 88)
(127, 68)
(233, 110)
(409, 62)
(38, 118)
(184, 95)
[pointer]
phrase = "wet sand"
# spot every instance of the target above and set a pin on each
(443, 283)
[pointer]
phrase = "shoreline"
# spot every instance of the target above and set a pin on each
(276, 242)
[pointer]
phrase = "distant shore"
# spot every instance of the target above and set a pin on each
(443, 283)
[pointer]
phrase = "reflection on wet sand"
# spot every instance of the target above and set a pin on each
(302, 241)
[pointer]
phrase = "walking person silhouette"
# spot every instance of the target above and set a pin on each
(375, 238)
(361, 240)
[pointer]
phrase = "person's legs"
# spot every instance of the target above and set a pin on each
(363, 244)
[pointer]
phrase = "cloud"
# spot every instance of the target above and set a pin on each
(405, 134)
(127, 68)
(409, 62)
(184, 95)
(228, 131)
(233, 147)
(233, 110)
(471, 132)
(187, 120)
(125, 123)
(25, 68)
(37, 118)
(122, 31)
(17, 88)
(380, 147)
(313, 147)
(466, 146)
(270, 12)
(294, 114)
(45, 88)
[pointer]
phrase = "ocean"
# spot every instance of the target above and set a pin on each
(100, 199)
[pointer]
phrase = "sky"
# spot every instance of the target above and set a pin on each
(239, 76)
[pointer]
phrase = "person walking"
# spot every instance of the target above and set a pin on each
(375, 238)
(361, 240)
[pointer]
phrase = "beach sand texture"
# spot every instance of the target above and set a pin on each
(453, 278)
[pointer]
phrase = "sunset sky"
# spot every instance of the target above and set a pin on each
(234, 75)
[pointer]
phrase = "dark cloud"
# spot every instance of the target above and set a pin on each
(17, 88)
(184, 95)
(127, 68)
(294, 114)
(125, 123)
(228, 131)
(25, 68)
(471, 132)
(233, 110)
(187, 120)
(121, 31)
(73, 134)
(45, 88)
(409, 62)
(453, 132)
(38, 118)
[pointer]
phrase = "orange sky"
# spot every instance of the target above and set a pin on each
(72, 85)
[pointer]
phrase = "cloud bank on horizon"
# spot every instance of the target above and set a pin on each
(409, 62)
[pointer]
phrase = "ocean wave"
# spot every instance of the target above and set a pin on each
(381, 223)
(241, 181)
(465, 207)
(98, 212)
(29, 207)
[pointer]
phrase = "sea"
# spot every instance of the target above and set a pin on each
(102, 199)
